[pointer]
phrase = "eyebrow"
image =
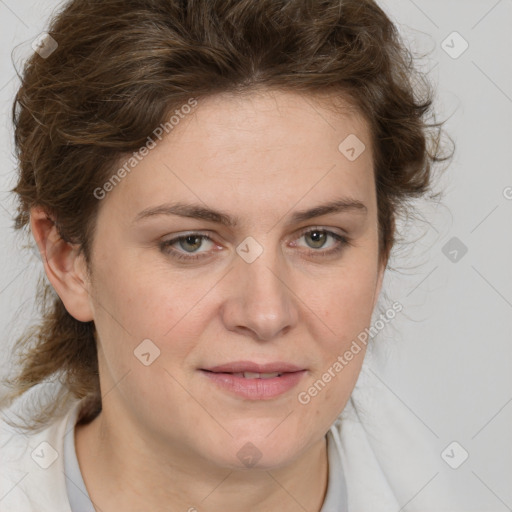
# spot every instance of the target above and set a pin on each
(195, 211)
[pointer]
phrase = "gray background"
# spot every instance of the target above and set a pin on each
(447, 358)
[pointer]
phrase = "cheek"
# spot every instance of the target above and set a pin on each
(136, 299)
(346, 306)
(132, 306)
(343, 314)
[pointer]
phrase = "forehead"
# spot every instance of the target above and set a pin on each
(271, 122)
(267, 147)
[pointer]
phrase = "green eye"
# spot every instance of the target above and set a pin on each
(186, 247)
(319, 237)
(191, 240)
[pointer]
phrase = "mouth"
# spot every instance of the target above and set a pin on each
(253, 375)
(255, 381)
(255, 368)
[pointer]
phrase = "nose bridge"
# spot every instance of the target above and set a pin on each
(261, 300)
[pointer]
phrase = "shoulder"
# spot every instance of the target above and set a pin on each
(388, 453)
(32, 477)
(367, 485)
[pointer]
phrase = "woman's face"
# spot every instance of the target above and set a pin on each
(272, 289)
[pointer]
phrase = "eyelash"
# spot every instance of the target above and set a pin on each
(342, 240)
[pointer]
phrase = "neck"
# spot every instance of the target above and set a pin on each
(124, 471)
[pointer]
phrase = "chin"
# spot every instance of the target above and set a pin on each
(250, 457)
(260, 450)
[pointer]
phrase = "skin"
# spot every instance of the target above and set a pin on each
(167, 438)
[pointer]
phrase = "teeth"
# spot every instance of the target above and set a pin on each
(251, 375)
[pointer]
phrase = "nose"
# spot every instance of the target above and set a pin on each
(260, 301)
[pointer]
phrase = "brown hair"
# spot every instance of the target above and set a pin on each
(119, 69)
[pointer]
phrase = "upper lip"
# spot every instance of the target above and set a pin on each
(249, 366)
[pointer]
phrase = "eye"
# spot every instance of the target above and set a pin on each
(189, 243)
(186, 247)
(318, 238)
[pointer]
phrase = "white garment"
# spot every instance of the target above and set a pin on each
(387, 460)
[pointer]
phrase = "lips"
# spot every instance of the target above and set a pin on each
(238, 367)
(255, 381)
(255, 375)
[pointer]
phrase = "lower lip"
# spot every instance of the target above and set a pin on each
(256, 389)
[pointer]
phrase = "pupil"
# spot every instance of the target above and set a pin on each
(317, 236)
(192, 240)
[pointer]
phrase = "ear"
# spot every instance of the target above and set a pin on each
(65, 269)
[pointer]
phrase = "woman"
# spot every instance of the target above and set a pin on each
(213, 188)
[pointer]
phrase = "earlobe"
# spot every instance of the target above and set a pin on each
(63, 264)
